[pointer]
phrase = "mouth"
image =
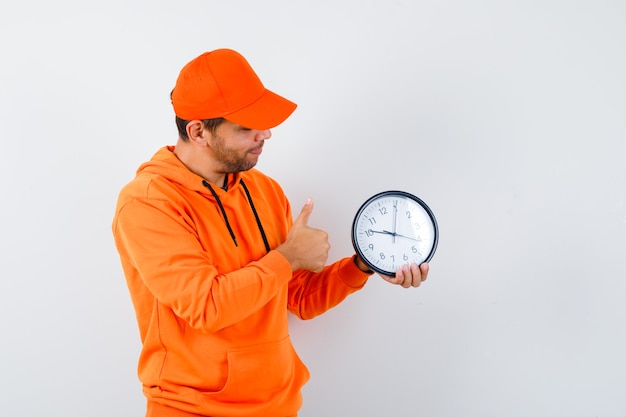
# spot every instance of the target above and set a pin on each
(257, 151)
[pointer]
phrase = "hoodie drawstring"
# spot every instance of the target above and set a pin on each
(256, 215)
(219, 203)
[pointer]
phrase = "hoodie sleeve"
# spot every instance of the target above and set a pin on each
(160, 251)
(311, 294)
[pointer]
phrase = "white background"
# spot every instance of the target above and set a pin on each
(506, 117)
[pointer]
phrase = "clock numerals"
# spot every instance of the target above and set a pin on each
(391, 256)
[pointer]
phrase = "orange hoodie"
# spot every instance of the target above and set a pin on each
(210, 293)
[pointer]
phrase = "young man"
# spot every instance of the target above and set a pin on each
(213, 259)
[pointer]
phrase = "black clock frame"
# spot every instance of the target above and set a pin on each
(394, 193)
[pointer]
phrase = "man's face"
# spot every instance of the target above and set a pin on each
(237, 148)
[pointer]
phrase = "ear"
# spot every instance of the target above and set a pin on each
(196, 132)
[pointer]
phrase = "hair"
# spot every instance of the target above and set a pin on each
(210, 124)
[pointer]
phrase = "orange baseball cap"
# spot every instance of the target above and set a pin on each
(221, 83)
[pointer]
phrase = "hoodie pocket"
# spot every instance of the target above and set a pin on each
(256, 374)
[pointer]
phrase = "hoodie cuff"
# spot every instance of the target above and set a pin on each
(351, 274)
(279, 264)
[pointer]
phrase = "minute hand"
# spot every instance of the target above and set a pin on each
(387, 232)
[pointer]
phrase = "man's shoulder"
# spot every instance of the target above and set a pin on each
(145, 185)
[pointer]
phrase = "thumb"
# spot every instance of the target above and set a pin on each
(305, 213)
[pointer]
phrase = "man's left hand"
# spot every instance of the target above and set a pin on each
(409, 275)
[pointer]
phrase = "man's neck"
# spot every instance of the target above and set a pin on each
(198, 163)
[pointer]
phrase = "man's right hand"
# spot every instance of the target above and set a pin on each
(305, 247)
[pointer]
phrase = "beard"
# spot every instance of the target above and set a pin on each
(231, 160)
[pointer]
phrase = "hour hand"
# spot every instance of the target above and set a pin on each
(383, 232)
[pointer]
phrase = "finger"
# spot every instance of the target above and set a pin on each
(416, 275)
(424, 268)
(403, 277)
(305, 213)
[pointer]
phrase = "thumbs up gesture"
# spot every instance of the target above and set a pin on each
(305, 247)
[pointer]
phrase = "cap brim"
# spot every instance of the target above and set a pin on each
(267, 112)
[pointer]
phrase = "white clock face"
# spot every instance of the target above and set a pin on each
(393, 229)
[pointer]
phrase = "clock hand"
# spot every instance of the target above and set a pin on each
(395, 213)
(396, 234)
(387, 232)
(383, 232)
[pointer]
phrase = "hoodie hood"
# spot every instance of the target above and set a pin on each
(165, 164)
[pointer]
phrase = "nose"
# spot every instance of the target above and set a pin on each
(264, 134)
